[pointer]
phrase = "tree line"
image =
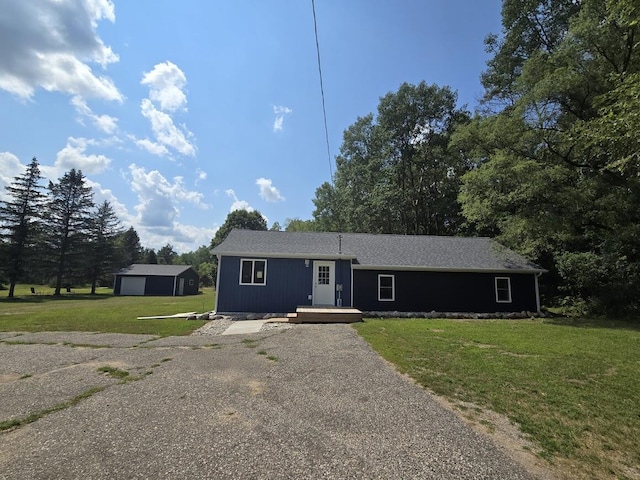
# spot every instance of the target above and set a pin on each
(57, 235)
(549, 164)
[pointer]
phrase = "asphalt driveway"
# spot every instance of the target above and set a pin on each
(313, 401)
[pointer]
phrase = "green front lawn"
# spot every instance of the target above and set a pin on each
(572, 386)
(103, 312)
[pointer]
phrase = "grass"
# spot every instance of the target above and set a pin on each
(572, 385)
(102, 312)
(114, 372)
(19, 422)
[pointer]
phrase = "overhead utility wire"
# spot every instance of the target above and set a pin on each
(324, 110)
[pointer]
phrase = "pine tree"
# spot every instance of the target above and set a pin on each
(19, 217)
(68, 224)
(130, 249)
(102, 257)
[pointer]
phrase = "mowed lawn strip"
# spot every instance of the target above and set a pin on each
(103, 312)
(572, 386)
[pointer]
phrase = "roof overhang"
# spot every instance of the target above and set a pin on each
(315, 256)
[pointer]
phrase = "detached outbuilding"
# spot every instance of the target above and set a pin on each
(161, 280)
(260, 271)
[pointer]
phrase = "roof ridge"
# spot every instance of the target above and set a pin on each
(399, 235)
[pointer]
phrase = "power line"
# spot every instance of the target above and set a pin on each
(324, 110)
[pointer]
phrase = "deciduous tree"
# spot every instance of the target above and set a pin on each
(396, 172)
(557, 150)
(236, 219)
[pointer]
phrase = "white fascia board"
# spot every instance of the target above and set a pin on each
(445, 269)
(310, 256)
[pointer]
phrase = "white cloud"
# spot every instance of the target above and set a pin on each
(165, 131)
(184, 238)
(106, 123)
(73, 156)
(166, 83)
(267, 191)
(160, 199)
(277, 124)
(10, 167)
(201, 175)
(151, 147)
(280, 111)
(101, 194)
(51, 44)
(238, 204)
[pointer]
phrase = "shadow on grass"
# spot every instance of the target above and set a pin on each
(37, 299)
(608, 323)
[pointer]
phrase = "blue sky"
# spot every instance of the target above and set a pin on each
(178, 112)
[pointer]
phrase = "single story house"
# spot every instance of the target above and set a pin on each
(167, 280)
(265, 271)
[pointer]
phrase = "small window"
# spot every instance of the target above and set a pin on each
(503, 290)
(191, 282)
(386, 288)
(253, 272)
(324, 274)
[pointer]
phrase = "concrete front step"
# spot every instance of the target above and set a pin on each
(325, 315)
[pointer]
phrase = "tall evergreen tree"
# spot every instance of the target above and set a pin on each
(68, 225)
(102, 253)
(19, 218)
(130, 248)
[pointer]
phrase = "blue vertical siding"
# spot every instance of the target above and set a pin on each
(289, 282)
(417, 291)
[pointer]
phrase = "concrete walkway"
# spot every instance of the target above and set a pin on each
(244, 326)
(306, 402)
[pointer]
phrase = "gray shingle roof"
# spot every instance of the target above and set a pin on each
(139, 269)
(380, 251)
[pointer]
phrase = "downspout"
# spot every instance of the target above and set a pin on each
(538, 293)
(351, 272)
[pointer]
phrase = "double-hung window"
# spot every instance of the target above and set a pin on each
(503, 290)
(253, 272)
(386, 288)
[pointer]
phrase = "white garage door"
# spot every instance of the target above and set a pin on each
(132, 285)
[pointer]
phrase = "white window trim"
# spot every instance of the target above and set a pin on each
(393, 288)
(508, 289)
(253, 266)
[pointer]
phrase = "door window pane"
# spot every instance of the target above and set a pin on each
(323, 274)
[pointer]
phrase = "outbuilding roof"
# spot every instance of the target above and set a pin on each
(372, 251)
(146, 270)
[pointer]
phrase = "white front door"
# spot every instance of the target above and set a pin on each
(324, 283)
(181, 287)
